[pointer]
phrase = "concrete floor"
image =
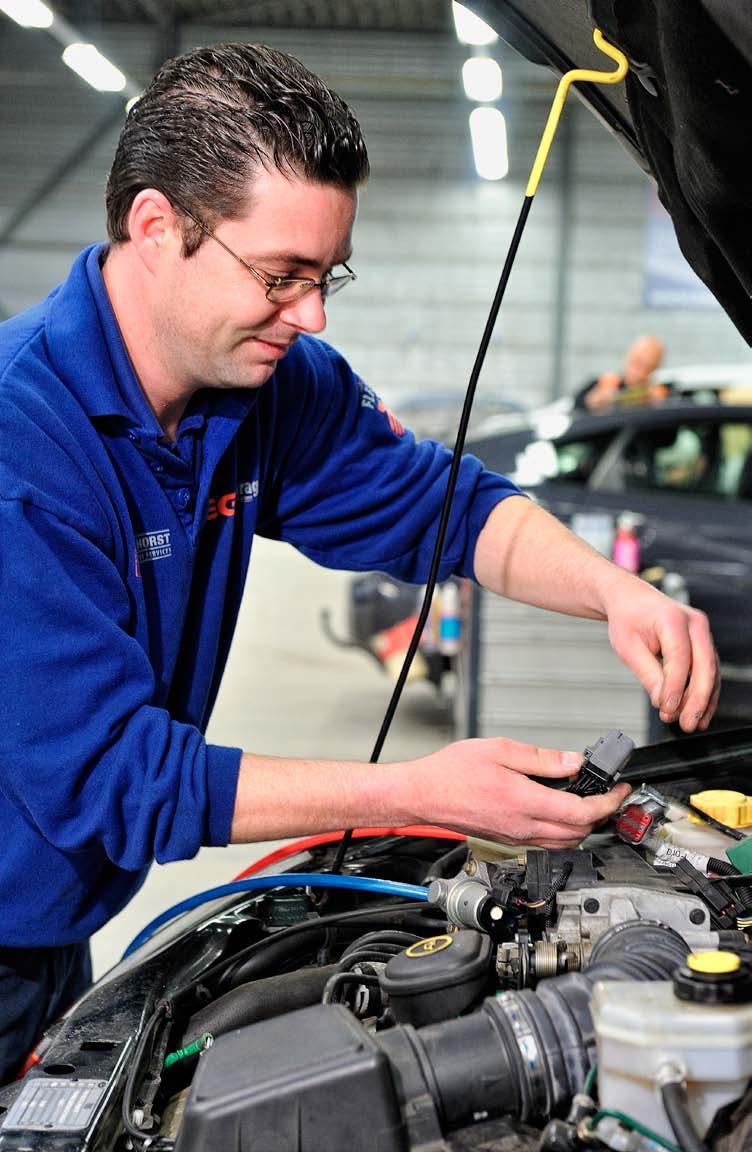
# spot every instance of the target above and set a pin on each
(287, 691)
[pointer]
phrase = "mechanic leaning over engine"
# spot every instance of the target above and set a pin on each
(160, 407)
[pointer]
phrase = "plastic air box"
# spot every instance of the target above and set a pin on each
(302, 1082)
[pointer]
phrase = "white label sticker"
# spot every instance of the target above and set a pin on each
(54, 1105)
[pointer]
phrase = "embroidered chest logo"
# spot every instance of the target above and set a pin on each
(225, 505)
(153, 546)
(369, 399)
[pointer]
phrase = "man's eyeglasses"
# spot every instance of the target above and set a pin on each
(279, 289)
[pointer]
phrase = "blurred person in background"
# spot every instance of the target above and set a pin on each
(633, 385)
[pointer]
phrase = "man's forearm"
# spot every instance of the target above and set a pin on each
(278, 797)
(479, 786)
(525, 554)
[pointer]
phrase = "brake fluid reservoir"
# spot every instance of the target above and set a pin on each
(686, 830)
(642, 1029)
(695, 837)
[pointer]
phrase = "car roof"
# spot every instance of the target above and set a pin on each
(668, 412)
(695, 388)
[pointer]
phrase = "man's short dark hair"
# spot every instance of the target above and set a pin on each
(212, 117)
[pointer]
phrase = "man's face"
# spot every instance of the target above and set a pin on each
(643, 358)
(216, 327)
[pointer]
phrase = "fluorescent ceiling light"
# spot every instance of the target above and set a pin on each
(481, 77)
(488, 131)
(470, 28)
(28, 13)
(94, 68)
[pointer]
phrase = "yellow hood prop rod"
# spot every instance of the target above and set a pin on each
(569, 78)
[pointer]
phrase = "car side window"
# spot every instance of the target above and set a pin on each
(709, 458)
(576, 459)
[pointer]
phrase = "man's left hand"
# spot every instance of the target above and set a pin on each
(669, 648)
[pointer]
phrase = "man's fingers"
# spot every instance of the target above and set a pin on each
(692, 717)
(713, 704)
(689, 669)
(676, 662)
(549, 834)
(701, 694)
(643, 661)
(585, 813)
(532, 761)
(564, 808)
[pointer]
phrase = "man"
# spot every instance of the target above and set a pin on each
(634, 386)
(160, 407)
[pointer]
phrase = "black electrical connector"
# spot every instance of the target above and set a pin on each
(602, 764)
(717, 894)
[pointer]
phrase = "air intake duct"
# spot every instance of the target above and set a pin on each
(524, 1053)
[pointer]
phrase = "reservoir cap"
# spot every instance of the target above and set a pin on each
(714, 978)
(731, 808)
(714, 963)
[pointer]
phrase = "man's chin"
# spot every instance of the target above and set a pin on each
(247, 376)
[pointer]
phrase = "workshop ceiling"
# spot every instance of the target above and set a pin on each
(397, 63)
(365, 15)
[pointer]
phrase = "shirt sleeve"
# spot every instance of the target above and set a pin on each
(85, 756)
(350, 487)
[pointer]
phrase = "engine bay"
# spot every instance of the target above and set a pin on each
(530, 999)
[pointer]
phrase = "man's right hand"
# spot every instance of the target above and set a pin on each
(483, 787)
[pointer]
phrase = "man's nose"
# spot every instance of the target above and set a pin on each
(308, 313)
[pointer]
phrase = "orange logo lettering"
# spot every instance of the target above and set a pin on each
(226, 505)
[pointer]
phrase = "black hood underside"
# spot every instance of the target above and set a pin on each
(684, 111)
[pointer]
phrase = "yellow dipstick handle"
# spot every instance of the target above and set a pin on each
(568, 78)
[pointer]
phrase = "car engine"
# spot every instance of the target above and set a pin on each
(537, 999)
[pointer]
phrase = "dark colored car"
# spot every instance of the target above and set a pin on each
(683, 468)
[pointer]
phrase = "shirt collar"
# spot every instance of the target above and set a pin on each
(86, 346)
(88, 353)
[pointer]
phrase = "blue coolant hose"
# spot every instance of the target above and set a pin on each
(285, 880)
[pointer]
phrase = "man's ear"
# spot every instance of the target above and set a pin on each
(152, 226)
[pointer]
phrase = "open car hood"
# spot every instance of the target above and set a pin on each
(683, 111)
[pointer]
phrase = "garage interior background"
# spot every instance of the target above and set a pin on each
(429, 244)
(431, 235)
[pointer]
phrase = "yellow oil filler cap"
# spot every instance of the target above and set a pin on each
(714, 963)
(731, 808)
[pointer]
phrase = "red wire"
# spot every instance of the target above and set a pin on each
(297, 846)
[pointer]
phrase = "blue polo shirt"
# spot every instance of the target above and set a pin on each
(122, 567)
